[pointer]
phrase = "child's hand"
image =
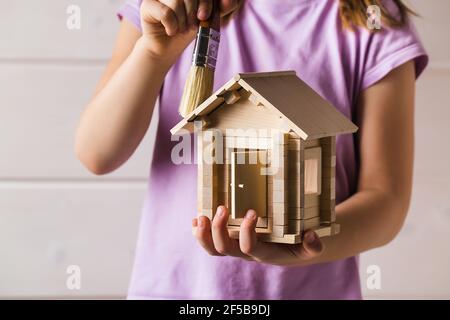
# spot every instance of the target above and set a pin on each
(215, 239)
(169, 26)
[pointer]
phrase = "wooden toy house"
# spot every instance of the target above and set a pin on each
(266, 141)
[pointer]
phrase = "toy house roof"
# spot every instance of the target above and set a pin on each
(305, 112)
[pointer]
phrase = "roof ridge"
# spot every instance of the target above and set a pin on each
(246, 75)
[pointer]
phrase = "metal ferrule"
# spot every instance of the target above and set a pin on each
(206, 48)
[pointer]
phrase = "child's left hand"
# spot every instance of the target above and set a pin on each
(215, 239)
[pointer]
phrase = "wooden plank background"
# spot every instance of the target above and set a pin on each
(416, 263)
(53, 213)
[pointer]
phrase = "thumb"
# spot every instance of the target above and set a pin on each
(312, 245)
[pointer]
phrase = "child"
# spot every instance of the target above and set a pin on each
(368, 75)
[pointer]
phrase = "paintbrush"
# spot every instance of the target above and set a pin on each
(200, 80)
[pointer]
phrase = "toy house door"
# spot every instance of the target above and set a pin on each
(248, 183)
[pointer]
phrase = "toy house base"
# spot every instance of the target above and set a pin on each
(293, 238)
(272, 141)
(325, 230)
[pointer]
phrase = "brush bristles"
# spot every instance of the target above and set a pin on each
(198, 88)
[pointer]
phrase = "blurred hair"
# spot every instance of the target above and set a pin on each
(229, 16)
(353, 13)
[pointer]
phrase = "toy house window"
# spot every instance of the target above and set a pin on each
(313, 172)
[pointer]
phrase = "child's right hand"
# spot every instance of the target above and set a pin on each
(169, 26)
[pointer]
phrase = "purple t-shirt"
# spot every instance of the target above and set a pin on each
(266, 35)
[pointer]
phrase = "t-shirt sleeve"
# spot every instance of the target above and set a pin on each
(130, 11)
(390, 48)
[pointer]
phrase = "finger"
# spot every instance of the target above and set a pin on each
(247, 235)
(154, 11)
(191, 7)
(311, 246)
(248, 240)
(251, 246)
(178, 8)
(203, 235)
(228, 6)
(221, 238)
(204, 9)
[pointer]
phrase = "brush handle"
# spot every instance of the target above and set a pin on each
(208, 38)
(214, 19)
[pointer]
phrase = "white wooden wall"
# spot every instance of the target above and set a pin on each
(53, 213)
(417, 263)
